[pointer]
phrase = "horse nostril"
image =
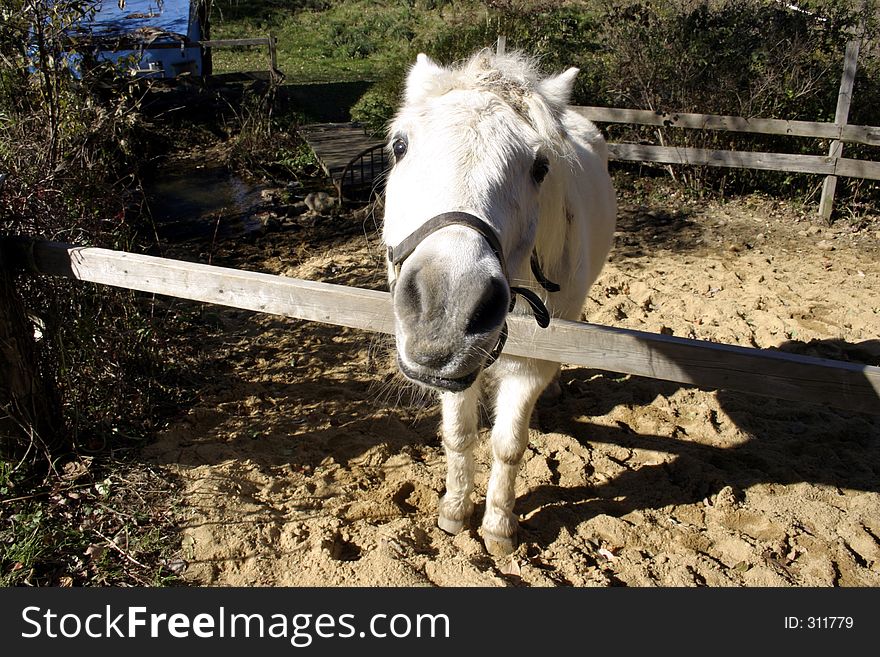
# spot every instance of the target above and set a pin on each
(490, 309)
(408, 296)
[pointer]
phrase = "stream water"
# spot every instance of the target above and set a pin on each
(198, 201)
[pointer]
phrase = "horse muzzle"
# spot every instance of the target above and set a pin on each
(451, 322)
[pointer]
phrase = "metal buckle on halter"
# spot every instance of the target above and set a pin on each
(398, 254)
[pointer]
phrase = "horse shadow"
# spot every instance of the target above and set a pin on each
(642, 231)
(323, 407)
(785, 443)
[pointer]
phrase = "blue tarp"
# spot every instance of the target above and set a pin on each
(147, 22)
(175, 16)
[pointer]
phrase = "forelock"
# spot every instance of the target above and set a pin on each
(514, 78)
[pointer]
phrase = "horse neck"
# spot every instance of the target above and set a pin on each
(554, 224)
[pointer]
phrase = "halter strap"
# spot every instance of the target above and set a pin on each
(547, 284)
(397, 254)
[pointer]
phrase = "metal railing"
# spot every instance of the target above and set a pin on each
(364, 175)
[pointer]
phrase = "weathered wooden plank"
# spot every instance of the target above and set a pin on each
(273, 53)
(849, 168)
(819, 164)
(181, 42)
(860, 134)
(277, 295)
(821, 130)
(841, 117)
(764, 372)
(709, 365)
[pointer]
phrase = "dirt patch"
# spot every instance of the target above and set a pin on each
(308, 463)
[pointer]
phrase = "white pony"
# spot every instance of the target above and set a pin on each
(498, 191)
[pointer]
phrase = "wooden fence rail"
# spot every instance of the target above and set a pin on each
(270, 41)
(857, 134)
(819, 164)
(764, 372)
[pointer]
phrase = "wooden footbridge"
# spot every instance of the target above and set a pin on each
(353, 159)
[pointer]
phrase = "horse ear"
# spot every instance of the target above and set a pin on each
(557, 89)
(422, 78)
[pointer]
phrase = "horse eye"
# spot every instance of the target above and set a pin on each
(540, 168)
(399, 148)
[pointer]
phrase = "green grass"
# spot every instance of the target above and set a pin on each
(331, 42)
(74, 530)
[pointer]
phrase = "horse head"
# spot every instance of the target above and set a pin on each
(474, 148)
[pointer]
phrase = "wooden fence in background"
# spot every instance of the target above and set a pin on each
(769, 373)
(831, 165)
(270, 42)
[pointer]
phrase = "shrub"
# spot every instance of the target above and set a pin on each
(69, 146)
(751, 59)
(376, 107)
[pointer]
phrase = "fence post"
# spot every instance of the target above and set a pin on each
(501, 45)
(30, 415)
(841, 116)
(273, 58)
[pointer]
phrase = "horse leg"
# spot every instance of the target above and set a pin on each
(518, 389)
(460, 428)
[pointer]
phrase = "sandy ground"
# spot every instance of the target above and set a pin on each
(307, 462)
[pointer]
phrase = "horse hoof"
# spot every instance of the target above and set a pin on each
(450, 525)
(499, 546)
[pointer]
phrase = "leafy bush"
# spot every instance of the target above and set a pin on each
(70, 146)
(752, 58)
(376, 107)
(110, 367)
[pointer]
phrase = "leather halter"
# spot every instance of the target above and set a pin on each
(397, 255)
